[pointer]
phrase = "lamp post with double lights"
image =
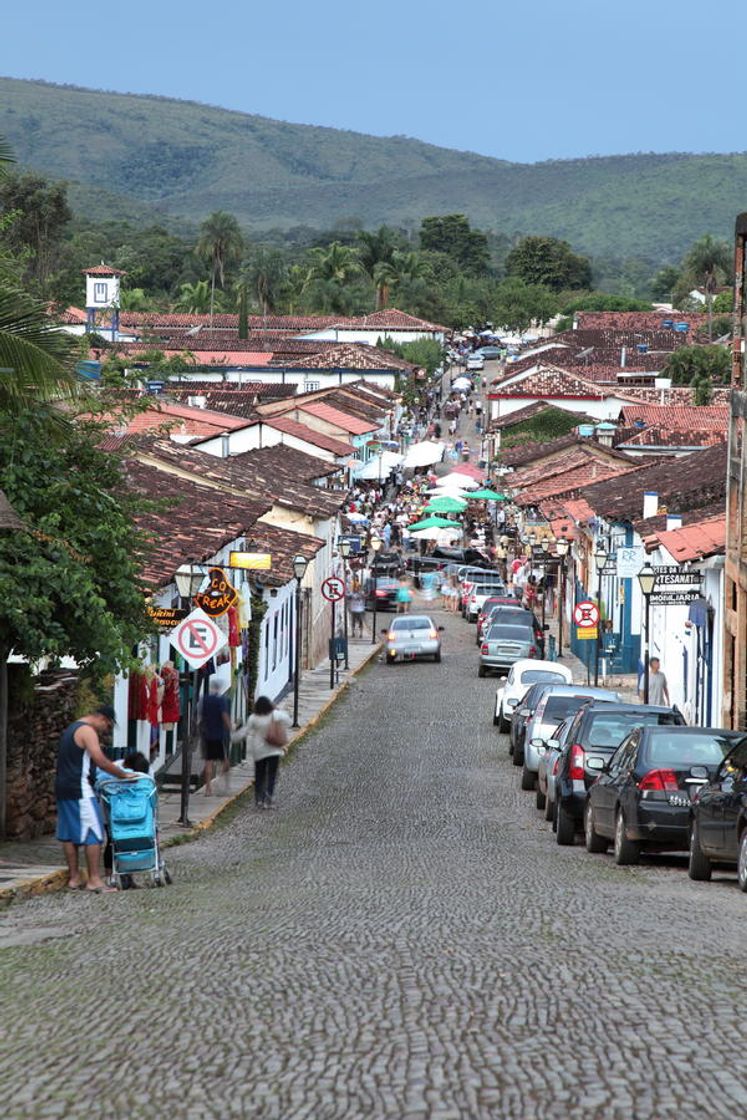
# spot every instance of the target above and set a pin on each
(600, 559)
(188, 578)
(300, 563)
(345, 553)
(647, 582)
(561, 547)
(545, 546)
(376, 543)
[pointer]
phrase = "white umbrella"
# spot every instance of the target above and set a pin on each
(458, 481)
(440, 534)
(424, 454)
(462, 383)
(380, 466)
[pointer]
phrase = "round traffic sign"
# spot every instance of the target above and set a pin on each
(333, 589)
(586, 614)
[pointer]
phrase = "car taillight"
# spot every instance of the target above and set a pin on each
(473, 599)
(576, 771)
(433, 634)
(659, 779)
(532, 651)
(381, 594)
(484, 648)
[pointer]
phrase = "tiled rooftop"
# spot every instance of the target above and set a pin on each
(302, 432)
(692, 542)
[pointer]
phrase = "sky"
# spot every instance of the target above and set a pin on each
(523, 80)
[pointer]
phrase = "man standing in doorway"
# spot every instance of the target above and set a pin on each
(79, 820)
(658, 690)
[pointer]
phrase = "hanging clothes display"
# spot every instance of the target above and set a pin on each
(171, 703)
(137, 696)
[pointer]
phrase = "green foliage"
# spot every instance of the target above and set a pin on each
(39, 213)
(518, 304)
(70, 586)
(549, 262)
(451, 234)
(664, 283)
(423, 352)
(691, 364)
(723, 303)
(541, 428)
(264, 274)
(602, 301)
(37, 360)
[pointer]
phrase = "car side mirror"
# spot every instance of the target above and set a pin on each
(538, 743)
(597, 764)
(546, 626)
(512, 702)
(552, 744)
(442, 627)
(524, 712)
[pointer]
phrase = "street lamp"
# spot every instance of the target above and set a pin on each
(376, 543)
(532, 538)
(188, 578)
(300, 563)
(345, 553)
(600, 559)
(646, 582)
(561, 547)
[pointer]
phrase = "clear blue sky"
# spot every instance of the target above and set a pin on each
(517, 79)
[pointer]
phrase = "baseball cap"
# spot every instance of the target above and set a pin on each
(107, 711)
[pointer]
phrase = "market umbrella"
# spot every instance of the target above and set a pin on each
(446, 505)
(458, 478)
(432, 523)
(487, 495)
(441, 536)
(424, 454)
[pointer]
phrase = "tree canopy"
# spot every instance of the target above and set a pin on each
(550, 262)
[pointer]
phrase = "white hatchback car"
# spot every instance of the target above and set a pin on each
(522, 675)
(411, 636)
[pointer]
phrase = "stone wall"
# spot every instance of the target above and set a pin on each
(34, 728)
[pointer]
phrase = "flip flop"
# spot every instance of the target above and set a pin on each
(101, 890)
(80, 887)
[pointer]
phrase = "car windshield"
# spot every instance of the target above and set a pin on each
(411, 624)
(687, 750)
(608, 729)
(482, 589)
(509, 633)
(542, 676)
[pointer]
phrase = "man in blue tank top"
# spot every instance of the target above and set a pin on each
(79, 820)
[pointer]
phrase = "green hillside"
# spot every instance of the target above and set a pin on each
(146, 157)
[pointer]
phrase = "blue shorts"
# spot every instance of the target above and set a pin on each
(80, 822)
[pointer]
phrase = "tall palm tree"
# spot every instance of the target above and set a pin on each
(221, 243)
(331, 270)
(265, 274)
(377, 248)
(709, 262)
(196, 299)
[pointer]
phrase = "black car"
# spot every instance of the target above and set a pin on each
(418, 565)
(522, 713)
(385, 592)
(461, 556)
(598, 731)
(641, 799)
(389, 564)
(719, 818)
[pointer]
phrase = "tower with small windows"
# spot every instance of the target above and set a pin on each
(102, 299)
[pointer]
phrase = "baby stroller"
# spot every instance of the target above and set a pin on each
(131, 812)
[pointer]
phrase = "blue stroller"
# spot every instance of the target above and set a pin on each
(131, 813)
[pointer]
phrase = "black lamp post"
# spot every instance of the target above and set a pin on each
(345, 553)
(646, 582)
(376, 543)
(300, 564)
(561, 547)
(545, 546)
(189, 578)
(600, 559)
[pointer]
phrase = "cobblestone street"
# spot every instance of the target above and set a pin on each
(403, 938)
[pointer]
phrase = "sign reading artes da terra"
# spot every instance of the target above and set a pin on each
(218, 596)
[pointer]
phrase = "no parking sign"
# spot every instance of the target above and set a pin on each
(197, 638)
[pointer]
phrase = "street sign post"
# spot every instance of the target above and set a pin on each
(197, 638)
(586, 615)
(333, 589)
(587, 633)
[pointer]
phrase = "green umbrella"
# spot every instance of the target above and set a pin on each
(446, 505)
(433, 523)
(487, 496)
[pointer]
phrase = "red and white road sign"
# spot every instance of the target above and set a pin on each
(586, 615)
(333, 589)
(197, 638)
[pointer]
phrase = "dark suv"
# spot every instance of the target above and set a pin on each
(719, 826)
(596, 733)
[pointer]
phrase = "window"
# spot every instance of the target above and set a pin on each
(311, 386)
(687, 750)
(534, 676)
(100, 292)
(411, 624)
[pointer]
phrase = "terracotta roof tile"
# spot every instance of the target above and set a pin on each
(343, 420)
(693, 542)
(711, 417)
(302, 432)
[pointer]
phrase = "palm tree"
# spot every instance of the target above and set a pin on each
(709, 262)
(377, 248)
(331, 270)
(405, 273)
(295, 287)
(265, 273)
(37, 359)
(221, 243)
(196, 299)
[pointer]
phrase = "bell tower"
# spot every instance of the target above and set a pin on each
(102, 298)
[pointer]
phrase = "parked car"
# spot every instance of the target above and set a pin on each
(471, 556)
(475, 362)
(642, 797)
(413, 636)
(718, 833)
(520, 676)
(389, 564)
(548, 768)
(384, 590)
(486, 610)
(514, 612)
(520, 716)
(503, 644)
(490, 352)
(478, 594)
(491, 581)
(595, 736)
(556, 704)
(419, 565)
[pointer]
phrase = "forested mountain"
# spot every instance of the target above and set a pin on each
(147, 158)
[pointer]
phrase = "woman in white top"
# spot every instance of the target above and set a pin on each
(267, 732)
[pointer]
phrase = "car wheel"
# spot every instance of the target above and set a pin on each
(549, 809)
(565, 826)
(437, 657)
(699, 866)
(594, 842)
(625, 851)
(742, 862)
(540, 799)
(481, 672)
(518, 756)
(555, 816)
(498, 721)
(528, 778)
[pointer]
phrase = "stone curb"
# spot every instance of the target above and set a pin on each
(56, 880)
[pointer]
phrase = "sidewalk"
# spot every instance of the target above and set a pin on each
(34, 866)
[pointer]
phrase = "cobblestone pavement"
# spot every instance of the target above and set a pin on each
(401, 939)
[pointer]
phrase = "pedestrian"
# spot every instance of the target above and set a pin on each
(404, 595)
(357, 608)
(80, 823)
(215, 725)
(658, 690)
(267, 729)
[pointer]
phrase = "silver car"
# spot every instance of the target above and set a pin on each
(557, 703)
(546, 769)
(411, 636)
(503, 643)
